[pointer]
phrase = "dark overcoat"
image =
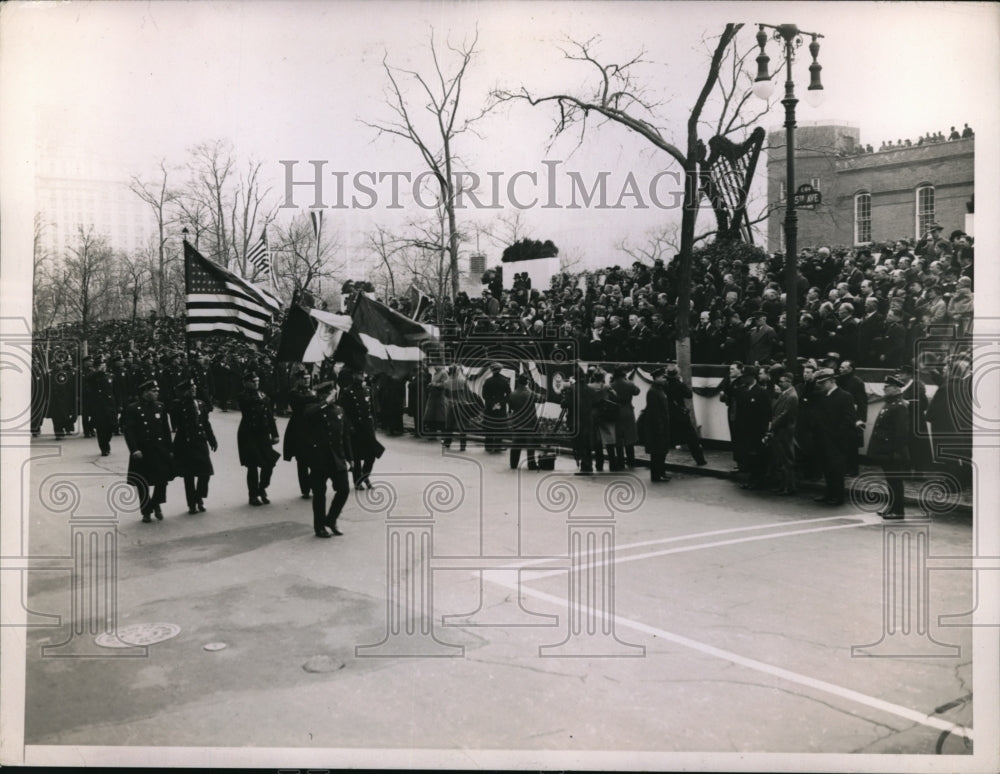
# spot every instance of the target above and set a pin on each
(835, 429)
(891, 434)
(327, 438)
(625, 430)
(356, 401)
(257, 428)
(147, 430)
(193, 437)
(295, 432)
(657, 420)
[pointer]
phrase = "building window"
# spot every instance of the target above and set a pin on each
(925, 209)
(862, 218)
(814, 182)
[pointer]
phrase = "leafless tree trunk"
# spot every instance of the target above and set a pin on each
(618, 96)
(300, 261)
(430, 121)
(90, 277)
(160, 199)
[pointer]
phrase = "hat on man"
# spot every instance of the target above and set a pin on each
(825, 373)
(935, 227)
(496, 367)
(658, 372)
(249, 376)
(149, 384)
(894, 381)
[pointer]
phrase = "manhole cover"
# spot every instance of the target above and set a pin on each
(322, 664)
(216, 646)
(138, 634)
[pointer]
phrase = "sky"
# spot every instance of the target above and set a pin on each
(130, 83)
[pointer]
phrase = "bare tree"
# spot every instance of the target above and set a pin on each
(90, 278)
(430, 121)
(387, 248)
(660, 243)
(160, 199)
(618, 96)
(303, 255)
(48, 282)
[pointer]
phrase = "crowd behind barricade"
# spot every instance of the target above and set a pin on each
(860, 308)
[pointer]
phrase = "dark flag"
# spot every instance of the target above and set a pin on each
(218, 300)
(391, 339)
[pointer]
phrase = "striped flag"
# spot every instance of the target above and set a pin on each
(218, 300)
(259, 255)
(392, 339)
(311, 336)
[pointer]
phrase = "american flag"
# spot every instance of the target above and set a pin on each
(258, 254)
(218, 300)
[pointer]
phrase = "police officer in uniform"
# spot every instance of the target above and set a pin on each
(496, 391)
(147, 435)
(300, 398)
(255, 437)
(577, 403)
(87, 397)
(328, 450)
(356, 400)
(63, 398)
(888, 446)
(104, 403)
(191, 443)
(678, 394)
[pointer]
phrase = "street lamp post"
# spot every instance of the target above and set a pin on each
(791, 37)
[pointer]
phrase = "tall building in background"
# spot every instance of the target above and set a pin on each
(76, 185)
(888, 194)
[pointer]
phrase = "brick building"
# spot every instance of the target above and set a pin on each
(889, 194)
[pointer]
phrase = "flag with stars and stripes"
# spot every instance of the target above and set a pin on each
(258, 255)
(218, 300)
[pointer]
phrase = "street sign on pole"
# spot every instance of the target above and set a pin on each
(806, 197)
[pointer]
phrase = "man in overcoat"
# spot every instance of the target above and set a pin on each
(356, 401)
(328, 450)
(255, 438)
(657, 426)
(496, 391)
(523, 421)
(888, 446)
(681, 427)
(781, 434)
(753, 416)
(104, 402)
(194, 436)
(625, 430)
(300, 398)
(836, 431)
(849, 381)
(147, 435)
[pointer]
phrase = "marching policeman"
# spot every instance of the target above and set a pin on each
(328, 450)
(63, 402)
(356, 401)
(496, 391)
(300, 398)
(86, 396)
(255, 437)
(104, 403)
(191, 443)
(147, 435)
(889, 445)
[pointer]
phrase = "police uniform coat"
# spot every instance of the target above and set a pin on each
(327, 440)
(496, 391)
(104, 398)
(523, 417)
(193, 437)
(294, 444)
(257, 428)
(577, 402)
(677, 394)
(891, 434)
(62, 396)
(753, 416)
(356, 401)
(147, 430)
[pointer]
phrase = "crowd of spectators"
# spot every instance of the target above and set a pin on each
(929, 138)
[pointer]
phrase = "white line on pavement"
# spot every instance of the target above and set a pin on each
(759, 666)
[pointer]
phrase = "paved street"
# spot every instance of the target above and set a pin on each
(729, 627)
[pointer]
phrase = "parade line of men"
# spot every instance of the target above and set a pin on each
(781, 431)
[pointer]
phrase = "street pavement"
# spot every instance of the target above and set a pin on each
(609, 614)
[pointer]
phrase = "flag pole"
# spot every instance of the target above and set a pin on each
(187, 270)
